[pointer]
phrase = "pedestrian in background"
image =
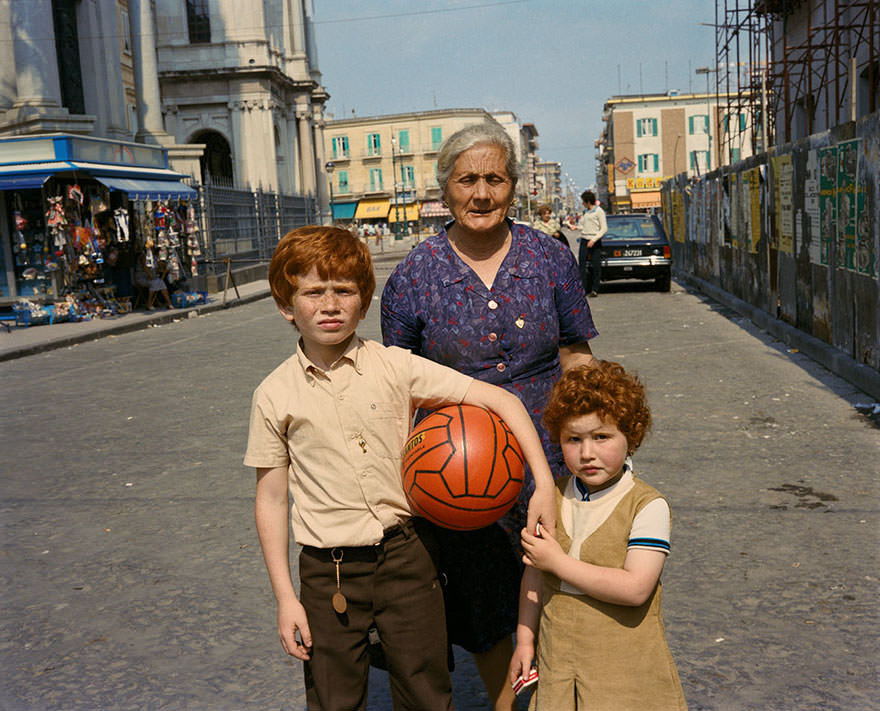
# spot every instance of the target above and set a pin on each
(549, 225)
(593, 227)
(591, 593)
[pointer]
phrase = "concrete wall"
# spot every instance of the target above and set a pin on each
(795, 234)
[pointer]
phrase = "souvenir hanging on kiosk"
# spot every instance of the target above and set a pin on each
(120, 216)
(75, 193)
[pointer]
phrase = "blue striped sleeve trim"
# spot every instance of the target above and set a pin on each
(657, 543)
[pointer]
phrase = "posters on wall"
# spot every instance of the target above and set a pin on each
(784, 217)
(754, 178)
(811, 206)
(678, 216)
(734, 209)
(847, 203)
(827, 201)
(842, 214)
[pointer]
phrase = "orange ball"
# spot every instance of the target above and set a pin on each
(462, 468)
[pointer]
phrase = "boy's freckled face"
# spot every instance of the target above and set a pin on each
(326, 313)
(594, 450)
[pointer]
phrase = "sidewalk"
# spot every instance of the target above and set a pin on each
(23, 341)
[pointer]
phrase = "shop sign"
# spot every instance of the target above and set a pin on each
(119, 153)
(645, 183)
(625, 165)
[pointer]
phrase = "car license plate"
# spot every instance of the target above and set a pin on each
(632, 253)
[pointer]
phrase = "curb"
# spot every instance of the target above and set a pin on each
(158, 319)
(123, 327)
(860, 375)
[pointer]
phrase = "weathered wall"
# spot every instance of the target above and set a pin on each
(795, 233)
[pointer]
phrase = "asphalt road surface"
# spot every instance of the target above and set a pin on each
(131, 575)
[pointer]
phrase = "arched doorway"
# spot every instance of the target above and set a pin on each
(216, 162)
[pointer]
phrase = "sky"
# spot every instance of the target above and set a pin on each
(553, 63)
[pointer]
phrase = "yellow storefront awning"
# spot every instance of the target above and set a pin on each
(640, 200)
(408, 213)
(372, 210)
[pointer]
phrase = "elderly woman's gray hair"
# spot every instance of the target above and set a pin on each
(487, 132)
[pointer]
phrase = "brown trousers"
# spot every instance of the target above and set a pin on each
(393, 585)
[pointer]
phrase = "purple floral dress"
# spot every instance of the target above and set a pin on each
(437, 307)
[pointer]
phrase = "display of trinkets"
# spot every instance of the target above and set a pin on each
(74, 240)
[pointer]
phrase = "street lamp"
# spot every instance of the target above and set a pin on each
(675, 155)
(707, 71)
(394, 185)
(330, 166)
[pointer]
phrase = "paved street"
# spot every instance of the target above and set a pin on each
(131, 575)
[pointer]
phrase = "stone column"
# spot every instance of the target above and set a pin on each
(7, 57)
(239, 154)
(306, 148)
(293, 153)
(146, 73)
(323, 184)
(101, 69)
(36, 65)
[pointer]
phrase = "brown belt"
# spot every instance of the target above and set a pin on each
(362, 553)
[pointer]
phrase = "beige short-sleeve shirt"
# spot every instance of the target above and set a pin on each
(340, 432)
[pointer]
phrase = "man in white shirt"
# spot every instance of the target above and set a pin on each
(593, 227)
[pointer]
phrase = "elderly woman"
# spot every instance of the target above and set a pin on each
(549, 225)
(503, 303)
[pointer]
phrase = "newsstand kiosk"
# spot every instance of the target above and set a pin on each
(78, 215)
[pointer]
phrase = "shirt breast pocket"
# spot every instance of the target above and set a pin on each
(385, 429)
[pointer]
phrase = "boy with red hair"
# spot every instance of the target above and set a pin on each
(327, 428)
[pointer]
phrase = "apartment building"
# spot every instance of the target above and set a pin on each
(383, 169)
(647, 139)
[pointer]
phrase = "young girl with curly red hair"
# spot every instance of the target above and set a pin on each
(594, 588)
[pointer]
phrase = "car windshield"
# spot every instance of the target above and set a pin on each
(624, 229)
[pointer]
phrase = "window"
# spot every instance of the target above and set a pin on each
(698, 125)
(408, 176)
(735, 119)
(646, 127)
(340, 146)
(735, 155)
(198, 21)
(699, 161)
(342, 184)
(436, 137)
(403, 141)
(126, 31)
(374, 145)
(649, 163)
(132, 118)
(375, 179)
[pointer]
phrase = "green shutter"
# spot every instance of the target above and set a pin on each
(654, 127)
(639, 128)
(656, 163)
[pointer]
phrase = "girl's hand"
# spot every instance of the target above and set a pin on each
(521, 661)
(541, 552)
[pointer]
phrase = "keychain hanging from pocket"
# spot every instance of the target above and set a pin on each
(340, 604)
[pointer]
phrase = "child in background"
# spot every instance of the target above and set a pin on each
(327, 429)
(595, 589)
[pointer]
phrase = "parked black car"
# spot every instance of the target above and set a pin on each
(635, 247)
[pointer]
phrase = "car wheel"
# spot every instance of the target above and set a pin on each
(663, 283)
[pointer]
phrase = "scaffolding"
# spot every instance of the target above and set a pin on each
(793, 78)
